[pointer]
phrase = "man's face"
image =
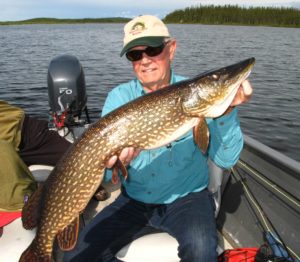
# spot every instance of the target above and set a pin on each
(154, 72)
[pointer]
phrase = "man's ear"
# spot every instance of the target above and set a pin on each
(172, 49)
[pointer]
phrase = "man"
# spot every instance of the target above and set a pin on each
(167, 187)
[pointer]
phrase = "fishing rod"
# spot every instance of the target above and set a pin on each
(263, 218)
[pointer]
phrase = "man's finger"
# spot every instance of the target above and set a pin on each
(111, 161)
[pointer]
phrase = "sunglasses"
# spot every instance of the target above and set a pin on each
(151, 51)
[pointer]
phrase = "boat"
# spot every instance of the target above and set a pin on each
(256, 198)
(262, 197)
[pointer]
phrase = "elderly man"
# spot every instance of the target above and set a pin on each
(167, 187)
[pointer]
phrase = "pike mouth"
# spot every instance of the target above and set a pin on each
(221, 106)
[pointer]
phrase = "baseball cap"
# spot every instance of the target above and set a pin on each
(144, 30)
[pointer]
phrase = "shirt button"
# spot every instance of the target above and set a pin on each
(152, 174)
(149, 192)
(221, 124)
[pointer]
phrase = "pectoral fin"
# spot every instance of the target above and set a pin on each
(201, 135)
(115, 172)
(67, 238)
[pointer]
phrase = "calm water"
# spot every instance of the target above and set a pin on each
(272, 116)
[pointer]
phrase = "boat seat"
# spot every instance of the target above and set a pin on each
(40, 172)
(158, 247)
(14, 241)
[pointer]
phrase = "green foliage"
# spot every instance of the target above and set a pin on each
(235, 15)
(210, 14)
(67, 21)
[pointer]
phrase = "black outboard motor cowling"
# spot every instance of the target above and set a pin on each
(66, 89)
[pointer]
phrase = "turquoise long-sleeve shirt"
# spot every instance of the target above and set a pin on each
(164, 174)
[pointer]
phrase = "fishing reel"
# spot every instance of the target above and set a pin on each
(67, 93)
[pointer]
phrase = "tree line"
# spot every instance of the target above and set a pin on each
(210, 14)
(45, 20)
(235, 15)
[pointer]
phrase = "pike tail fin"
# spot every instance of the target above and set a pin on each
(30, 256)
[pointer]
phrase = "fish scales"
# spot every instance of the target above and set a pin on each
(113, 132)
(147, 122)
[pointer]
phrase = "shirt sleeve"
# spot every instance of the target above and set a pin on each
(113, 100)
(226, 139)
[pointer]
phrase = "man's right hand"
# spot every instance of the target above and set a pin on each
(126, 156)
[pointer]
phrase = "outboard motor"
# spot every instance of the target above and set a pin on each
(67, 93)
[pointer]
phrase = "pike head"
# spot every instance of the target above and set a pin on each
(211, 93)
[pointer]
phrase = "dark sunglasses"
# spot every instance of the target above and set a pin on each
(151, 51)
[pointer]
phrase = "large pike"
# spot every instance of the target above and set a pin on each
(147, 122)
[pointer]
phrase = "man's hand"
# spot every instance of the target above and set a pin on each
(126, 156)
(243, 94)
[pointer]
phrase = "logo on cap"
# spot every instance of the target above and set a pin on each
(137, 28)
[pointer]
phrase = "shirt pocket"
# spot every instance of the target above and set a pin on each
(138, 168)
(183, 152)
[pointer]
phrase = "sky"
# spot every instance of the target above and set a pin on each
(15, 10)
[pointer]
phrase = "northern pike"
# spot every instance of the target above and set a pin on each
(147, 122)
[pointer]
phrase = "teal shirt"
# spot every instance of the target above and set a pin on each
(164, 174)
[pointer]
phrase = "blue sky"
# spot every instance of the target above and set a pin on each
(13, 10)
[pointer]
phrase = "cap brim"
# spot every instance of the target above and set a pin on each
(147, 41)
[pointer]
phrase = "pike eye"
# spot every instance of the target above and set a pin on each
(215, 77)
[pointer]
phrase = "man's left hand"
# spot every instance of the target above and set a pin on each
(243, 94)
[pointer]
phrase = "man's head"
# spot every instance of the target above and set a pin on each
(145, 30)
(148, 45)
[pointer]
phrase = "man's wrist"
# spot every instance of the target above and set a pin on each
(228, 110)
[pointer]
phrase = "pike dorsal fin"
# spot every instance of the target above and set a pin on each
(31, 209)
(67, 238)
(201, 135)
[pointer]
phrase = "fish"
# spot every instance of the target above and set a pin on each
(150, 121)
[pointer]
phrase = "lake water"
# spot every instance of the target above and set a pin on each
(272, 116)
